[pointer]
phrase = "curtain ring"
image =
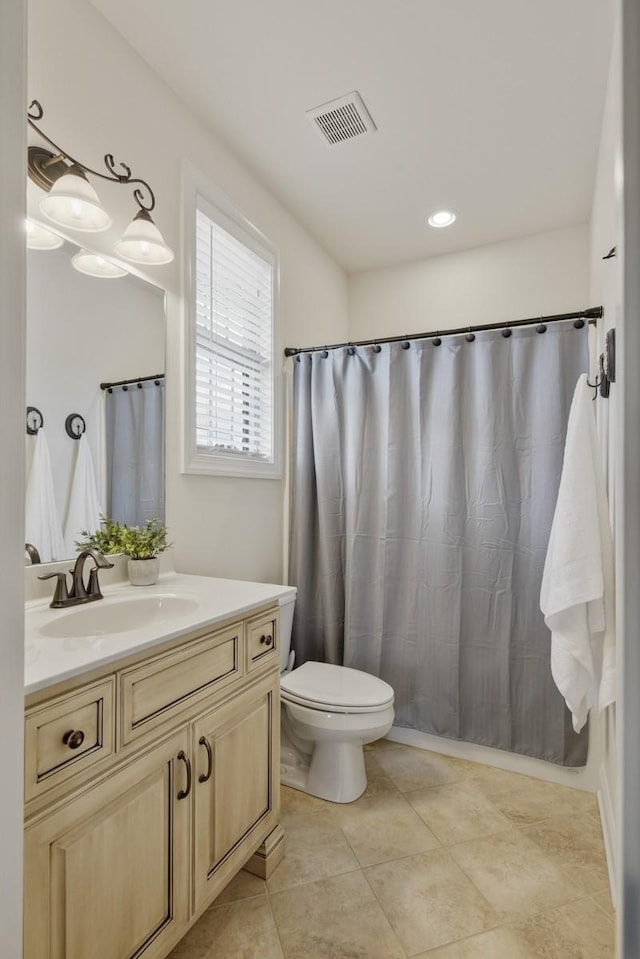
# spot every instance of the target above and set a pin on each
(578, 324)
(506, 332)
(377, 348)
(351, 350)
(436, 340)
(406, 344)
(541, 328)
(325, 353)
(470, 337)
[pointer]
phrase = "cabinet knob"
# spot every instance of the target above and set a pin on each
(74, 738)
(266, 639)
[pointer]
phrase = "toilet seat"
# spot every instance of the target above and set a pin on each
(336, 689)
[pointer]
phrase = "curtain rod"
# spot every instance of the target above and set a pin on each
(592, 314)
(136, 379)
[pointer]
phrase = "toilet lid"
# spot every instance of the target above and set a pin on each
(322, 685)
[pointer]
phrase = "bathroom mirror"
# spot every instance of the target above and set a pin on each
(83, 331)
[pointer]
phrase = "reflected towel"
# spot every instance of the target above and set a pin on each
(84, 505)
(577, 595)
(42, 521)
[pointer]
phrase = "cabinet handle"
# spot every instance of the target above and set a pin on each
(266, 639)
(74, 738)
(205, 777)
(185, 759)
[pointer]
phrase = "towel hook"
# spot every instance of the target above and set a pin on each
(75, 426)
(35, 420)
(601, 382)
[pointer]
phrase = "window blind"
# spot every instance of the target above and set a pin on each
(234, 345)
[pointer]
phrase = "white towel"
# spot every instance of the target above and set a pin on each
(84, 505)
(42, 520)
(577, 595)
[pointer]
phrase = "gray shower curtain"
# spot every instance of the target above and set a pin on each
(135, 452)
(424, 485)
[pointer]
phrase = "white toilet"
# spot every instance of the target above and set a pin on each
(328, 714)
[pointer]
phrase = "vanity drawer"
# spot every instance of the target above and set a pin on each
(168, 684)
(67, 736)
(262, 639)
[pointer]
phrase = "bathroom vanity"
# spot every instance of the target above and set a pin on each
(152, 762)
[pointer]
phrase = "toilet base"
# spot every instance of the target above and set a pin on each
(335, 772)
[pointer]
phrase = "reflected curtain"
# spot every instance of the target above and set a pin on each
(134, 424)
(424, 484)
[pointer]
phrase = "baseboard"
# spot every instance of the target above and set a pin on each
(585, 777)
(609, 832)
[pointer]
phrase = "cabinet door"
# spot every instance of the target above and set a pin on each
(236, 785)
(106, 875)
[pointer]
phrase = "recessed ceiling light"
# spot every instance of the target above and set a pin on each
(441, 218)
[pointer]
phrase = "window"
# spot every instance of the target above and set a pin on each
(233, 422)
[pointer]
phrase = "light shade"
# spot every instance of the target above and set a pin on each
(142, 242)
(39, 238)
(441, 218)
(94, 265)
(72, 202)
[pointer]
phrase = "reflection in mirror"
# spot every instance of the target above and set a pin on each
(82, 332)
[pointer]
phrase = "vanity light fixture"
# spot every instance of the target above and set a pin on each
(72, 202)
(95, 265)
(39, 238)
(441, 218)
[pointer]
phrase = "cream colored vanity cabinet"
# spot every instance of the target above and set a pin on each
(148, 789)
(107, 873)
(238, 747)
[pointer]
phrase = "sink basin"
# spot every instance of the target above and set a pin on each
(103, 619)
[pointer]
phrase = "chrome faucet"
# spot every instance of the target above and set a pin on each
(79, 593)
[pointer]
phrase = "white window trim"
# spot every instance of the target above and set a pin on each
(197, 190)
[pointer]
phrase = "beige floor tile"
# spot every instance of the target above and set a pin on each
(383, 828)
(334, 919)
(603, 899)
(380, 744)
(525, 800)
(574, 931)
(240, 930)
(501, 943)
(315, 849)
(575, 845)
(429, 900)
(411, 768)
(515, 874)
(457, 811)
(243, 886)
(293, 802)
(378, 783)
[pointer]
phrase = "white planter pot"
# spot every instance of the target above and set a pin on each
(144, 572)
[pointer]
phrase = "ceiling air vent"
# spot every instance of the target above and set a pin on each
(342, 119)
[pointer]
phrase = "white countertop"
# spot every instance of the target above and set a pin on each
(52, 659)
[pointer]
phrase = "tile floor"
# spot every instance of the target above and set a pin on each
(440, 859)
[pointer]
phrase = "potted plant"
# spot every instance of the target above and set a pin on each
(142, 545)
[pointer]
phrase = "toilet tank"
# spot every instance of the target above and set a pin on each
(287, 603)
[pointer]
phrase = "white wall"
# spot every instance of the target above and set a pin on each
(220, 526)
(606, 288)
(531, 276)
(12, 273)
(82, 331)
